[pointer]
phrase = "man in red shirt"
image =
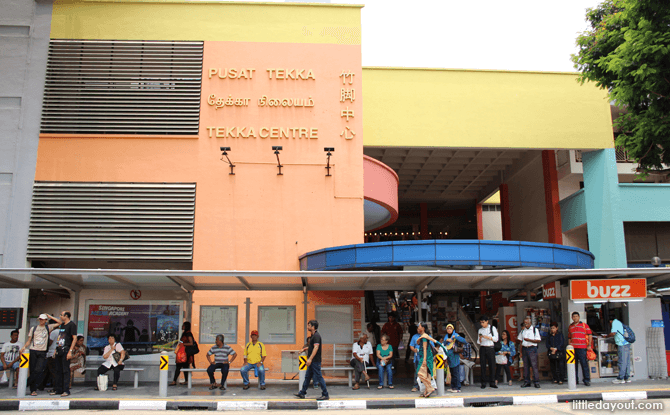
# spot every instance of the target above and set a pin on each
(579, 336)
(395, 332)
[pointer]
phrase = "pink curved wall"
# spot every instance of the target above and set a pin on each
(380, 185)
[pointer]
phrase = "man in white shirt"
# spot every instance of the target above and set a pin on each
(530, 338)
(10, 355)
(487, 336)
(361, 352)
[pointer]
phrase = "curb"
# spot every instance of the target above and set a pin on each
(86, 404)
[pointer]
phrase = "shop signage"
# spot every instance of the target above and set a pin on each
(551, 291)
(612, 289)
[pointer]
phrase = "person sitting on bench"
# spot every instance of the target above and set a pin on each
(222, 359)
(114, 355)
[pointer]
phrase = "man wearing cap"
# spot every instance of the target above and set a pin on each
(38, 344)
(254, 356)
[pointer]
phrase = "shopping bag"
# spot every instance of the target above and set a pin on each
(103, 381)
(182, 357)
(590, 354)
(401, 345)
(4, 378)
(501, 359)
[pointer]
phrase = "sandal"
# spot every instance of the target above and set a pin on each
(33, 393)
(428, 396)
(391, 387)
(380, 387)
(173, 383)
(113, 387)
(356, 387)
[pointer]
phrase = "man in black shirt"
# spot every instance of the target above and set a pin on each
(67, 337)
(313, 363)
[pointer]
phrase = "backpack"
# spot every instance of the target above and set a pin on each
(628, 334)
(32, 334)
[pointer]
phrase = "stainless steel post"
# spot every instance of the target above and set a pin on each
(571, 367)
(440, 382)
(23, 375)
(163, 377)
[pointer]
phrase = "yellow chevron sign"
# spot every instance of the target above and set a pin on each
(570, 356)
(25, 358)
(439, 361)
(164, 362)
(303, 362)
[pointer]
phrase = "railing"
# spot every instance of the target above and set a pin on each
(468, 328)
(621, 156)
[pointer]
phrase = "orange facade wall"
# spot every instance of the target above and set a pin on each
(259, 298)
(255, 219)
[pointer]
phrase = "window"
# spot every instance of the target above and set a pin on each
(336, 323)
(218, 320)
(276, 325)
(141, 327)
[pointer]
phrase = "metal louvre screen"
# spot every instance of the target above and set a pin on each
(113, 221)
(122, 87)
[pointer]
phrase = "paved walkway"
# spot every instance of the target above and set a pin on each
(279, 395)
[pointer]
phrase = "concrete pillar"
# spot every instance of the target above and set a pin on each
(504, 213)
(603, 223)
(551, 200)
(480, 222)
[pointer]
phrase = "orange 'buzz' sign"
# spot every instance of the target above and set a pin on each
(612, 289)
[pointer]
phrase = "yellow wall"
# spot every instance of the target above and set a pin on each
(483, 109)
(206, 20)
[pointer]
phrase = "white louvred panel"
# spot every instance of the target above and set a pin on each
(122, 87)
(114, 221)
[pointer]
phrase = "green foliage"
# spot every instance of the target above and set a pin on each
(627, 51)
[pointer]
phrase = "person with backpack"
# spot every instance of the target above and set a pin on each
(620, 332)
(38, 343)
(530, 338)
(254, 356)
(487, 337)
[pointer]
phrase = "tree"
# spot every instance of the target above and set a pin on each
(627, 51)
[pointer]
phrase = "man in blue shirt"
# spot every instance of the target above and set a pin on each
(623, 350)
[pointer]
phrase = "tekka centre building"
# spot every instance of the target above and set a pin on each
(234, 165)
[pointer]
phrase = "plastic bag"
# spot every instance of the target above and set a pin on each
(590, 354)
(501, 359)
(422, 387)
(4, 378)
(401, 345)
(103, 381)
(182, 357)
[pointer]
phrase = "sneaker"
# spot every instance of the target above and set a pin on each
(587, 383)
(453, 391)
(537, 385)
(299, 395)
(322, 398)
(466, 383)
(629, 380)
(526, 385)
(619, 381)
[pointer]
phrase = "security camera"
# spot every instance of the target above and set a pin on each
(276, 147)
(329, 149)
(225, 148)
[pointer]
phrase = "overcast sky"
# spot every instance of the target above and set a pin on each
(478, 34)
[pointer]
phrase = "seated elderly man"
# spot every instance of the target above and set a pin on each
(361, 352)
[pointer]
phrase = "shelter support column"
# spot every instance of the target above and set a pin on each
(551, 197)
(603, 223)
(480, 222)
(424, 220)
(504, 213)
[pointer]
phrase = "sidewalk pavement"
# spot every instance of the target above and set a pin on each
(279, 395)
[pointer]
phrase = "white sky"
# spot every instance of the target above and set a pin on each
(483, 34)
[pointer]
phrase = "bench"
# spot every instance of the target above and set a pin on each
(348, 369)
(135, 370)
(232, 369)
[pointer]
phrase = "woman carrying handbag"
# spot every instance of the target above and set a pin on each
(187, 341)
(505, 357)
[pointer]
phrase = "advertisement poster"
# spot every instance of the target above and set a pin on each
(140, 328)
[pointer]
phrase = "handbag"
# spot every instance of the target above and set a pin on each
(554, 356)
(497, 346)
(501, 359)
(103, 381)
